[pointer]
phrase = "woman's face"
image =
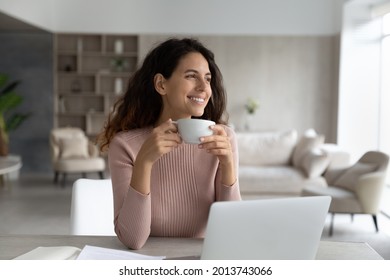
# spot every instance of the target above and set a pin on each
(188, 90)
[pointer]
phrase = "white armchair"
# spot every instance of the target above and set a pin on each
(72, 152)
(357, 189)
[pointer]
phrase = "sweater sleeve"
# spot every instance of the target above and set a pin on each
(232, 192)
(132, 210)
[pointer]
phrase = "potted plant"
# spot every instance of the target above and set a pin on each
(119, 64)
(9, 120)
(251, 106)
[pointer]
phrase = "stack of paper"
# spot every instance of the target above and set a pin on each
(99, 253)
(51, 253)
(87, 253)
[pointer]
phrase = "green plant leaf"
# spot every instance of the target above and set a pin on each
(15, 121)
(3, 79)
(9, 101)
(9, 88)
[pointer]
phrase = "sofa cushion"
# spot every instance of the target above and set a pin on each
(315, 163)
(266, 148)
(339, 158)
(349, 178)
(74, 147)
(305, 145)
(282, 180)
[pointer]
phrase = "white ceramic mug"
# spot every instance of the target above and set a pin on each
(191, 130)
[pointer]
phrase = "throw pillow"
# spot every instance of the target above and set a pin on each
(74, 147)
(304, 145)
(315, 163)
(349, 178)
(266, 148)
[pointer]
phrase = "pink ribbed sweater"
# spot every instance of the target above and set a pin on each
(184, 183)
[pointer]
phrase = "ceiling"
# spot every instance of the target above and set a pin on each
(265, 17)
(10, 24)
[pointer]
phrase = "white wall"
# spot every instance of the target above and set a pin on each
(249, 17)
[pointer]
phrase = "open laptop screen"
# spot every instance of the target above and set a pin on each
(279, 229)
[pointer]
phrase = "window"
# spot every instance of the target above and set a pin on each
(384, 117)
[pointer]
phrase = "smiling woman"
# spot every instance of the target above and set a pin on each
(186, 93)
(163, 186)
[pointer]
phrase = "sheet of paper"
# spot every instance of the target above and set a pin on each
(99, 253)
(51, 253)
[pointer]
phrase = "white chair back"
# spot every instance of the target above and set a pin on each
(92, 209)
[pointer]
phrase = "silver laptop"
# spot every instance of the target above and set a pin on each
(273, 229)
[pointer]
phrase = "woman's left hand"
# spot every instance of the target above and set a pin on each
(218, 144)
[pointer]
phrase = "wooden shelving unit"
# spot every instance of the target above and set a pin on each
(91, 71)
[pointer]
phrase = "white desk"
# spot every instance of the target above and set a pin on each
(12, 246)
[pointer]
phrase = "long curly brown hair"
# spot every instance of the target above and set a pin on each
(141, 105)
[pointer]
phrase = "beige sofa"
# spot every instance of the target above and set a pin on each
(282, 164)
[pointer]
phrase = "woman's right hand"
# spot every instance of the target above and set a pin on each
(164, 138)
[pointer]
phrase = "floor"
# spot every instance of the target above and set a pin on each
(35, 205)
